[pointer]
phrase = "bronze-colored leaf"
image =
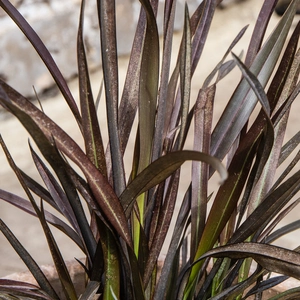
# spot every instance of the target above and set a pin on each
(271, 258)
(162, 168)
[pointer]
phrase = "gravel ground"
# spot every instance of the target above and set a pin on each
(227, 24)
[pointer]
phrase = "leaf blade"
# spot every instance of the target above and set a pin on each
(163, 167)
(272, 258)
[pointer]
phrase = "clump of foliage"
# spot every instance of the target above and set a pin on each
(128, 219)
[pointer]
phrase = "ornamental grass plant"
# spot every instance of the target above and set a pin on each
(221, 245)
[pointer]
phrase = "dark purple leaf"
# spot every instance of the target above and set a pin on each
(259, 30)
(148, 89)
(276, 221)
(244, 100)
(61, 268)
(200, 172)
(90, 290)
(185, 79)
(283, 231)
(50, 218)
(271, 258)
(163, 99)
(129, 99)
(11, 290)
(289, 147)
(173, 248)
(163, 223)
(57, 193)
(266, 284)
(36, 121)
(280, 86)
(270, 206)
(162, 168)
(29, 261)
(220, 66)
(201, 32)
(107, 21)
(44, 54)
(91, 131)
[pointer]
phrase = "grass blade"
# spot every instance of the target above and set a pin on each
(55, 190)
(163, 223)
(288, 169)
(72, 209)
(272, 258)
(162, 168)
(36, 121)
(106, 12)
(29, 261)
(283, 231)
(201, 31)
(44, 54)
(271, 205)
(130, 96)
(200, 171)
(265, 285)
(289, 147)
(243, 102)
(112, 267)
(280, 217)
(62, 271)
(90, 291)
(283, 79)
(148, 87)
(11, 290)
(173, 249)
(163, 99)
(227, 198)
(218, 67)
(267, 153)
(26, 206)
(91, 131)
(185, 79)
(259, 30)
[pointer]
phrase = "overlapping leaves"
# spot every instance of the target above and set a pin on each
(127, 224)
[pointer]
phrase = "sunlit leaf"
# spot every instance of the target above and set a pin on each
(259, 30)
(107, 21)
(243, 100)
(200, 172)
(185, 80)
(91, 131)
(162, 168)
(272, 258)
(221, 66)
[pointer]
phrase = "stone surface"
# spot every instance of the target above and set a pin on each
(56, 23)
